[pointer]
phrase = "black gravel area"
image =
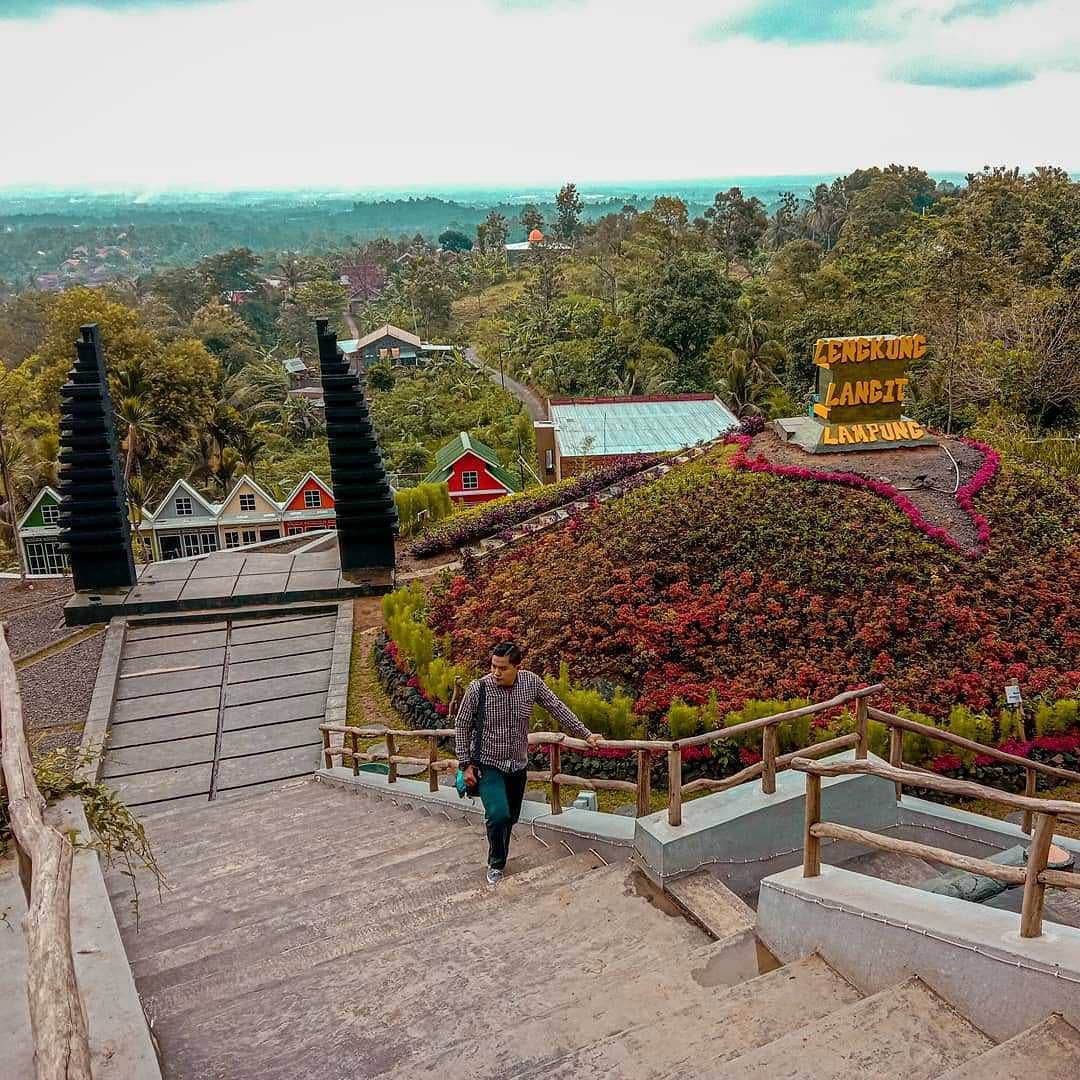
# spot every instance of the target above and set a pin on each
(33, 629)
(58, 689)
(14, 594)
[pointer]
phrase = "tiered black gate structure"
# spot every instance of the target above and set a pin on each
(367, 517)
(93, 504)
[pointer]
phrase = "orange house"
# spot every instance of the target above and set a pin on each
(309, 506)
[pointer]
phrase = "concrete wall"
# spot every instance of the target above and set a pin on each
(746, 834)
(877, 934)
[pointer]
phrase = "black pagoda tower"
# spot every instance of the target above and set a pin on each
(366, 513)
(93, 505)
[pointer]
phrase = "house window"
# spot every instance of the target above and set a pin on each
(312, 499)
(549, 460)
(199, 543)
(247, 503)
(470, 480)
(293, 530)
(232, 539)
(50, 513)
(249, 536)
(183, 506)
(45, 557)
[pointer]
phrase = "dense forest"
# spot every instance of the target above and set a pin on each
(726, 297)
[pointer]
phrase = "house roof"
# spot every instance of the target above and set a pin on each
(387, 330)
(463, 443)
(35, 502)
(211, 510)
(643, 425)
(294, 365)
(300, 486)
(253, 516)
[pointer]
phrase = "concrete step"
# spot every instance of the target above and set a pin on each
(414, 913)
(648, 1032)
(1048, 1051)
(324, 911)
(905, 1032)
(486, 980)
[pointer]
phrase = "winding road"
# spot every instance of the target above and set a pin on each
(529, 398)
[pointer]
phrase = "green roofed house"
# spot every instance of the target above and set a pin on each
(471, 471)
(39, 535)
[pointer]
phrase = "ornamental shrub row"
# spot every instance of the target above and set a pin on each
(414, 501)
(467, 527)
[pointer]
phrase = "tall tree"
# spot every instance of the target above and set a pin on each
(568, 206)
(531, 218)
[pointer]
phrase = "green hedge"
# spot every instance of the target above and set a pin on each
(413, 501)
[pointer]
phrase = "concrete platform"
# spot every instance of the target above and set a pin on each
(807, 433)
(229, 580)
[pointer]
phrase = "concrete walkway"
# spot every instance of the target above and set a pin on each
(530, 399)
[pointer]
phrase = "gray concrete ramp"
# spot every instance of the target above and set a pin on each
(205, 709)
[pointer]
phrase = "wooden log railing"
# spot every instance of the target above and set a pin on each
(898, 725)
(57, 1016)
(1035, 876)
(771, 763)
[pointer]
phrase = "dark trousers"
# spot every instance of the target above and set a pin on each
(501, 793)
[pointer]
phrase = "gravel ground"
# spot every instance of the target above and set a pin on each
(33, 629)
(14, 594)
(905, 469)
(57, 690)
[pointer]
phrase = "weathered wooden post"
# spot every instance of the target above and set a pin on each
(328, 760)
(644, 781)
(1031, 913)
(674, 771)
(812, 843)
(769, 740)
(555, 766)
(432, 757)
(1029, 791)
(391, 751)
(354, 746)
(862, 728)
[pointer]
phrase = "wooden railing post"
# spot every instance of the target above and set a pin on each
(811, 843)
(674, 773)
(555, 794)
(354, 746)
(862, 728)
(432, 757)
(896, 755)
(769, 740)
(391, 750)
(326, 750)
(1032, 912)
(1029, 791)
(644, 792)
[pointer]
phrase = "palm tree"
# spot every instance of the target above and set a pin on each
(248, 442)
(139, 423)
(300, 419)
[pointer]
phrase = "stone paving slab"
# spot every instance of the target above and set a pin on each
(122, 761)
(139, 632)
(282, 710)
(316, 560)
(156, 591)
(174, 682)
(273, 689)
(175, 661)
(279, 666)
(161, 784)
(163, 728)
(307, 580)
(260, 584)
(172, 570)
(280, 736)
(265, 563)
(174, 643)
(166, 704)
(206, 588)
(219, 566)
(276, 765)
(283, 646)
(268, 631)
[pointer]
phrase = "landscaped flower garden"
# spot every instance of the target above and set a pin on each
(701, 595)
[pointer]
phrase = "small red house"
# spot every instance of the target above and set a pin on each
(471, 471)
(309, 506)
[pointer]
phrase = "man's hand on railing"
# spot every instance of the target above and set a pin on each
(594, 740)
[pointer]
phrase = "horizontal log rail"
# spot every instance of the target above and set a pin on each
(57, 1017)
(1035, 876)
(897, 725)
(555, 742)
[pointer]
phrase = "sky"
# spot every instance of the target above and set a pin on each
(353, 94)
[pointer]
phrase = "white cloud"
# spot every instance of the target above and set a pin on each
(265, 93)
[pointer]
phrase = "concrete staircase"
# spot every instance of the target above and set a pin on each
(311, 932)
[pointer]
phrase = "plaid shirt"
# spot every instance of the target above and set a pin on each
(507, 712)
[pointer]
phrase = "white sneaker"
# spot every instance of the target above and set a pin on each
(494, 876)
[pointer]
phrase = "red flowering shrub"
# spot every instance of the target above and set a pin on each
(748, 586)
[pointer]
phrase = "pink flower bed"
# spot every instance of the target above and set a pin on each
(964, 495)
